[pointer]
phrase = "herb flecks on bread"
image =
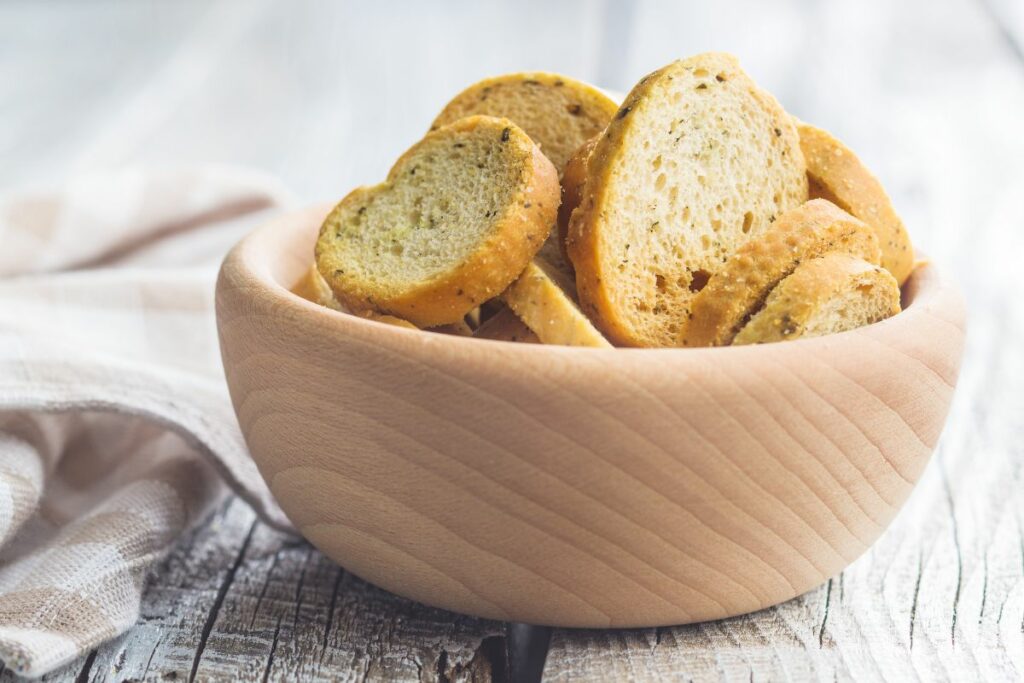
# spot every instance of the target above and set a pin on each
(697, 161)
(459, 217)
(559, 113)
(833, 293)
(739, 288)
(836, 174)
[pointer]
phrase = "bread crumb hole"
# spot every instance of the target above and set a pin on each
(702, 180)
(659, 282)
(657, 162)
(686, 214)
(700, 73)
(699, 280)
(660, 182)
(705, 242)
(748, 221)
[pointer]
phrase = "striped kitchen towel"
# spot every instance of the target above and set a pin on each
(116, 432)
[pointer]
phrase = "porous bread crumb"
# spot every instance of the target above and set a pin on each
(833, 293)
(698, 161)
(736, 291)
(559, 113)
(459, 217)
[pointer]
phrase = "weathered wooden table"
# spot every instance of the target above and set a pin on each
(931, 95)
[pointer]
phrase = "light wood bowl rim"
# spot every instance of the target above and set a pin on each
(290, 234)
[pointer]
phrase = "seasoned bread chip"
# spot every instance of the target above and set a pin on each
(697, 161)
(574, 175)
(836, 174)
(833, 293)
(506, 326)
(559, 113)
(543, 299)
(736, 291)
(388, 320)
(460, 216)
(313, 287)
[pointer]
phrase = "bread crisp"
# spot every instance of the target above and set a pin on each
(313, 287)
(459, 217)
(836, 174)
(543, 299)
(559, 113)
(833, 293)
(739, 288)
(574, 175)
(506, 326)
(388, 320)
(698, 161)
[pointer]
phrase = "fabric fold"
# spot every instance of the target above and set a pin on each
(116, 429)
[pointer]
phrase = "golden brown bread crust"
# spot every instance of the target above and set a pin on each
(313, 287)
(576, 109)
(388, 320)
(574, 175)
(500, 256)
(836, 174)
(543, 299)
(738, 289)
(506, 326)
(799, 298)
(586, 238)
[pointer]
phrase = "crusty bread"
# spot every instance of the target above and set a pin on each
(738, 289)
(833, 293)
(558, 112)
(313, 287)
(697, 161)
(836, 174)
(460, 328)
(460, 216)
(388, 319)
(543, 299)
(506, 326)
(574, 175)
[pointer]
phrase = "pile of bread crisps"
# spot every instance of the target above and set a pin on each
(695, 213)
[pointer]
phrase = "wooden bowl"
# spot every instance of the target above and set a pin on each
(579, 487)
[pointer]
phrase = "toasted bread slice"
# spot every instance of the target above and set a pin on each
(558, 112)
(697, 161)
(739, 288)
(543, 299)
(836, 174)
(313, 287)
(460, 216)
(388, 319)
(833, 293)
(506, 326)
(574, 175)
(457, 329)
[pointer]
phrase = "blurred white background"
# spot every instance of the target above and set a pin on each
(326, 95)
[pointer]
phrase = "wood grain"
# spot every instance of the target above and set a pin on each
(579, 487)
(239, 601)
(930, 100)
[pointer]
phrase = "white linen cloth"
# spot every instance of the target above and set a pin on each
(116, 431)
